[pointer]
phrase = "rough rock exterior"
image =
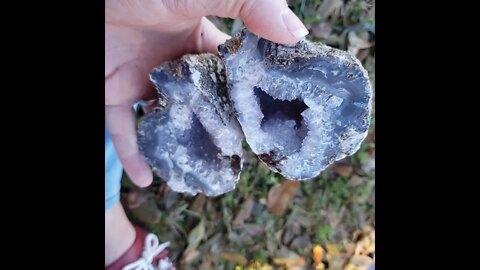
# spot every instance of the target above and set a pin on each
(192, 140)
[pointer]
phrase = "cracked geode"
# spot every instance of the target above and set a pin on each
(301, 107)
(192, 140)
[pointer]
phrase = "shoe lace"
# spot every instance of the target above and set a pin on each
(152, 249)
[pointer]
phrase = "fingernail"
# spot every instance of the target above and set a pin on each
(293, 24)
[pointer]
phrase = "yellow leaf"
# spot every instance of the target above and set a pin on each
(352, 267)
(255, 265)
(332, 252)
(236, 258)
(320, 266)
(293, 262)
(317, 254)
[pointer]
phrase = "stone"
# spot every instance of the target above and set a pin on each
(302, 106)
(192, 139)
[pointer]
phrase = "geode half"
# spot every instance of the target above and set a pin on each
(301, 107)
(192, 140)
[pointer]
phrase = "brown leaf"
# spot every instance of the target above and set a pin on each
(137, 197)
(363, 54)
(279, 195)
(143, 207)
(236, 258)
(245, 212)
(343, 170)
(190, 256)
(198, 203)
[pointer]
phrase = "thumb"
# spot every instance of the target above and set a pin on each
(270, 19)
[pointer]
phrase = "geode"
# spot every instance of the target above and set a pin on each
(192, 139)
(301, 107)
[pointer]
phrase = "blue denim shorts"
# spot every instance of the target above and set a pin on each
(113, 173)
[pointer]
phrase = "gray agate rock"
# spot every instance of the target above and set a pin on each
(193, 140)
(301, 107)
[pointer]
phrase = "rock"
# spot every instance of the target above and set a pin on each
(192, 139)
(301, 107)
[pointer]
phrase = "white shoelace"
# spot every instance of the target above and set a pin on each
(152, 249)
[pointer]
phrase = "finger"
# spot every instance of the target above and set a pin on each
(120, 122)
(271, 19)
(209, 37)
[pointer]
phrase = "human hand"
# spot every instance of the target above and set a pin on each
(140, 34)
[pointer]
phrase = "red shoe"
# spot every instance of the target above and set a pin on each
(146, 253)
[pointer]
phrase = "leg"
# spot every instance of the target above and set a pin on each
(119, 232)
(125, 244)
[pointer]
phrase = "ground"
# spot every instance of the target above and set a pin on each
(268, 222)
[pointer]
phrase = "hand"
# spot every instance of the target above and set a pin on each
(140, 34)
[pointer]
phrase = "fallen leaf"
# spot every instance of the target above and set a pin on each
(263, 201)
(365, 242)
(368, 165)
(362, 261)
(299, 242)
(343, 170)
(357, 42)
(206, 265)
(236, 258)
(244, 212)
(253, 229)
(317, 254)
(279, 195)
(256, 265)
(190, 256)
(321, 30)
(332, 252)
(334, 218)
(290, 231)
(198, 203)
(328, 7)
(352, 267)
(195, 236)
(278, 235)
(143, 207)
(355, 181)
(363, 54)
(136, 198)
(171, 199)
(293, 262)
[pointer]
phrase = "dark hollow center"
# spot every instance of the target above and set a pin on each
(200, 144)
(282, 111)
